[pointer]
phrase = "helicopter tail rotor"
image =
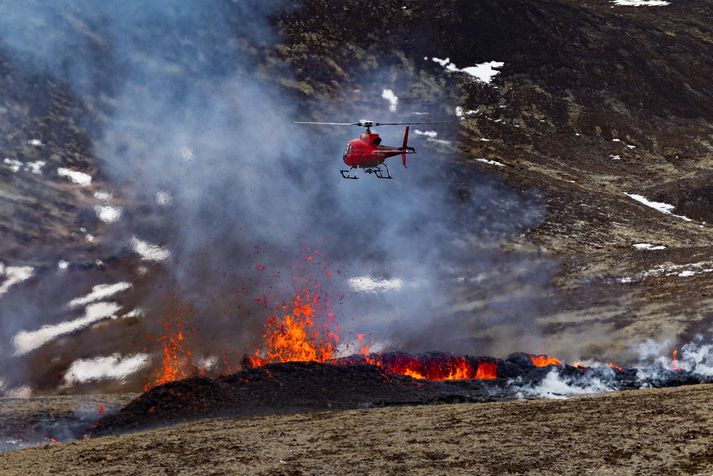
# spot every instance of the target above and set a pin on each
(404, 147)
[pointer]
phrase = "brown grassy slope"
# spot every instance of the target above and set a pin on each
(652, 431)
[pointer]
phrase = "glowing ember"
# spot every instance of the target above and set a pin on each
(616, 367)
(543, 360)
(365, 348)
(299, 335)
(674, 361)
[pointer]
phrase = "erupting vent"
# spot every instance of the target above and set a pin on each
(177, 361)
(299, 335)
(544, 360)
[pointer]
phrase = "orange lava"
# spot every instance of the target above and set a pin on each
(674, 361)
(616, 367)
(177, 362)
(487, 371)
(299, 335)
(457, 368)
(544, 360)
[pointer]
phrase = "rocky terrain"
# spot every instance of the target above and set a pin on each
(648, 431)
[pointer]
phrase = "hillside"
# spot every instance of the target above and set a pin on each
(513, 228)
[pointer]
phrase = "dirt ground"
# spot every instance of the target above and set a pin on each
(663, 431)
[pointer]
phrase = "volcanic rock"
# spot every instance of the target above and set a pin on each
(286, 388)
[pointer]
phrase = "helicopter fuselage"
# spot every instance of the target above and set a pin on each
(367, 152)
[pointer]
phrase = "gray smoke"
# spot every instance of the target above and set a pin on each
(184, 107)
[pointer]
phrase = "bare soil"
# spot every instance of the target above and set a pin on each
(663, 431)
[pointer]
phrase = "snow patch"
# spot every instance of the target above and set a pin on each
(483, 72)
(462, 113)
(35, 142)
(75, 176)
(641, 3)
(113, 367)
(32, 167)
(670, 269)
(35, 167)
(27, 341)
(393, 100)
(99, 292)
(648, 246)
(431, 134)
(14, 275)
(103, 196)
(149, 251)
(164, 198)
(367, 284)
(187, 154)
(107, 213)
(12, 164)
(659, 206)
(490, 162)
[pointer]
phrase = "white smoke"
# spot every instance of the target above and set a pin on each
(556, 386)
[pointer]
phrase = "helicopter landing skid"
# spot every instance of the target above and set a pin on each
(380, 173)
(347, 174)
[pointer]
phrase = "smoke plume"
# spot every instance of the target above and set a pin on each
(193, 133)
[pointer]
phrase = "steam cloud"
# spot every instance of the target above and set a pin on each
(184, 112)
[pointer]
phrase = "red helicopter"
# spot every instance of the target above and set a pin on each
(367, 153)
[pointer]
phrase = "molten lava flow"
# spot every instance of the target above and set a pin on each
(544, 360)
(448, 368)
(487, 371)
(463, 370)
(299, 335)
(616, 367)
(413, 374)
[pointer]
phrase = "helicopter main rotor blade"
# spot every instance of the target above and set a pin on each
(409, 123)
(328, 123)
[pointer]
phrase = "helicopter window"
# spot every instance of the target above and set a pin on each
(348, 149)
(377, 141)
